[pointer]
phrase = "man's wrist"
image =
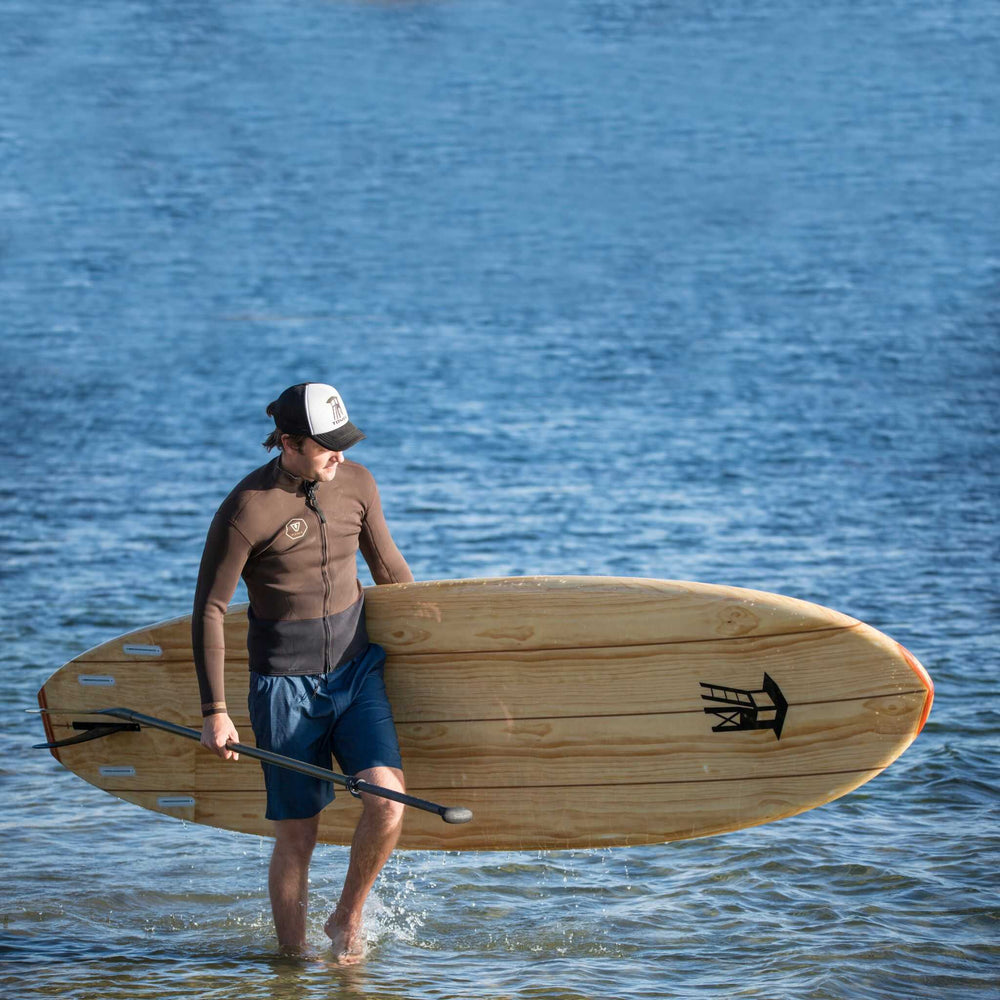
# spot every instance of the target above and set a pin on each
(213, 708)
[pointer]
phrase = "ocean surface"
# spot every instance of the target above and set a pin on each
(700, 291)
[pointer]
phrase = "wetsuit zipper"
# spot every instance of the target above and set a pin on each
(313, 504)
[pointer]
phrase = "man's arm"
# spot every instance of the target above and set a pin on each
(225, 554)
(384, 559)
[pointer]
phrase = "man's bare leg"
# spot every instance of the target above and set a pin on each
(288, 879)
(374, 839)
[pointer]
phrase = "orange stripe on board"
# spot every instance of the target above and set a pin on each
(918, 668)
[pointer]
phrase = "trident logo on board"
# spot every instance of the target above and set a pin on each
(740, 711)
(296, 528)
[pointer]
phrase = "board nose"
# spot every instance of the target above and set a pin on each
(925, 678)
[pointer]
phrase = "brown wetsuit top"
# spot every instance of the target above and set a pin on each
(295, 544)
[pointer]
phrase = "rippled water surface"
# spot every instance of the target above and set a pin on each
(696, 291)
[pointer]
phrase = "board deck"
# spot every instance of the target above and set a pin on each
(566, 712)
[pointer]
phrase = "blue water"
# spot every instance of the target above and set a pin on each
(687, 290)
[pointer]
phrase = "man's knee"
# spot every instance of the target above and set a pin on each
(385, 813)
(296, 836)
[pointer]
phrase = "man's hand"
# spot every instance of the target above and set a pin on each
(217, 731)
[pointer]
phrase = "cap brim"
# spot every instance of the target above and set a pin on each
(340, 439)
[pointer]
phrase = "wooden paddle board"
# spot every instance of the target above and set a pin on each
(566, 712)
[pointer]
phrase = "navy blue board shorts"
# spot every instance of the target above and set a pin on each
(344, 713)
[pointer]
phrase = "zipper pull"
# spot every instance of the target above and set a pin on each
(311, 501)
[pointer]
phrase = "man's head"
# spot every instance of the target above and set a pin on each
(311, 410)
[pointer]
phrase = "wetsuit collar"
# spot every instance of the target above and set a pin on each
(286, 480)
(291, 483)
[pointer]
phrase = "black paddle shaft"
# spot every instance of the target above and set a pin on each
(450, 814)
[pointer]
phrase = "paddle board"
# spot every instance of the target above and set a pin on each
(565, 712)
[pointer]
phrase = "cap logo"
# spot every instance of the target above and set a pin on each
(325, 410)
(296, 528)
(339, 413)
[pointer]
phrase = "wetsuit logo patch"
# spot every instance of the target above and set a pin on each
(296, 528)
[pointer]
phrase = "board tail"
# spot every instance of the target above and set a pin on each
(47, 723)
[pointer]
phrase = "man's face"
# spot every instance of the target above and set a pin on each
(313, 462)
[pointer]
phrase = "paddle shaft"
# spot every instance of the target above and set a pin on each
(450, 814)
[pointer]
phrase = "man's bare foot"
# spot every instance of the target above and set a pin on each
(346, 938)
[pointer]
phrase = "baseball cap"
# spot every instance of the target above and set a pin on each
(316, 410)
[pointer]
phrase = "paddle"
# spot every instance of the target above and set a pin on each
(450, 814)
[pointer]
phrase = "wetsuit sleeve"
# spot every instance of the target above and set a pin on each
(384, 559)
(225, 554)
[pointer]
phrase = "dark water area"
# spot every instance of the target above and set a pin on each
(690, 291)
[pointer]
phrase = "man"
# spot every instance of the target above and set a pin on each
(292, 529)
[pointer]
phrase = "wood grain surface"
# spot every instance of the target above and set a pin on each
(565, 712)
